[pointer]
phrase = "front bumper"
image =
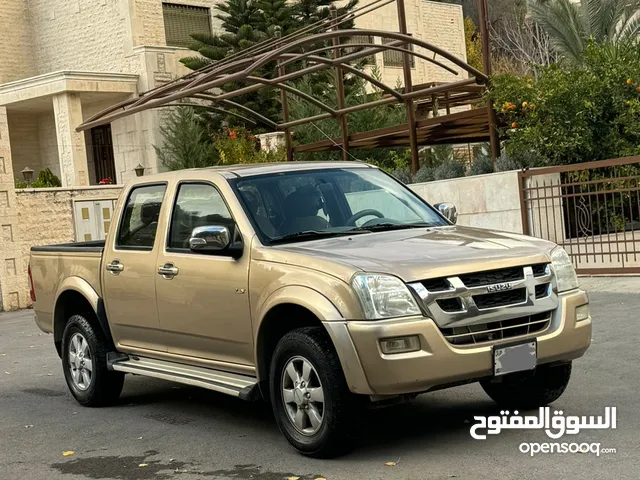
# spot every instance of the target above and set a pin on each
(369, 371)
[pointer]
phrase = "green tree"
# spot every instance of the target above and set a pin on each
(572, 25)
(246, 23)
(574, 113)
(187, 142)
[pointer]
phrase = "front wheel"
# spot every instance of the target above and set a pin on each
(84, 360)
(311, 402)
(530, 390)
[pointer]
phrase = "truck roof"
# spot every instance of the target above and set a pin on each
(250, 169)
(247, 169)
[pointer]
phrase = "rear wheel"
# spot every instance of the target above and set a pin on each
(84, 360)
(311, 402)
(530, 390)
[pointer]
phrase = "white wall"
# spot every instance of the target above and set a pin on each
(484, 201)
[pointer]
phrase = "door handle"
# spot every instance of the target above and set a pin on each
(115, 266)
(168, 270)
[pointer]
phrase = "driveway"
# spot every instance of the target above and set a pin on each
(162, 430)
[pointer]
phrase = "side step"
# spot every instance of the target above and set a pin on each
(230, 383)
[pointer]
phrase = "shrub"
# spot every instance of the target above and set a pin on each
(481, 165)
(45, 179)
(237, 145)
(574, 114)
(452, 169)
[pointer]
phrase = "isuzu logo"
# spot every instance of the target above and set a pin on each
(499, 287)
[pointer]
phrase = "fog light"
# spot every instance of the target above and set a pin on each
(400, 344)
(582, 312)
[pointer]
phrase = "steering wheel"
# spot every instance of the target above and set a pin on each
(363, 213)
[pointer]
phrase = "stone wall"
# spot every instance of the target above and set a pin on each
(79, 35)
(16, 48)
(437, 23)
(484, 201)
(43, 217)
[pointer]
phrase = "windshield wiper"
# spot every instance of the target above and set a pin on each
(313, 234)
(381, 227)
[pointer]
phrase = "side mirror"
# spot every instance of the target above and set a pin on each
(214, 239)
(448, 211)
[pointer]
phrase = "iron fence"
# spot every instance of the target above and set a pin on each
(590, 209)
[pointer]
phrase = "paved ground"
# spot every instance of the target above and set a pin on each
(190, 433)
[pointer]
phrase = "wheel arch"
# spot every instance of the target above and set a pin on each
(286, 309)
(77, 296)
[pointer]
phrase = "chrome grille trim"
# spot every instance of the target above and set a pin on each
(472, 315)
(498, 331)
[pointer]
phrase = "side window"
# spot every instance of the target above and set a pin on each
(140, 219)
(197, 205)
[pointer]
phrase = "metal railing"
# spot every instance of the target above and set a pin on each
(591, 209)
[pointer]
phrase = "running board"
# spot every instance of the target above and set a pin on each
(233, 384)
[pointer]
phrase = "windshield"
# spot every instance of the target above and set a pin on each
(304, 205)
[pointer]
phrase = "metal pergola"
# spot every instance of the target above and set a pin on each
(292, 61)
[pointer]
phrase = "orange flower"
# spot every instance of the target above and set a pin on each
(524, 104)
(514, 125)
(637, 89)
(232, 135)
(629, 81)
(532, 107)
(627, 103)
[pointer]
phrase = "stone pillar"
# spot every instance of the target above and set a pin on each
(72, 149)
(13, 292)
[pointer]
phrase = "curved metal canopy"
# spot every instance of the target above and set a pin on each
(198, 85)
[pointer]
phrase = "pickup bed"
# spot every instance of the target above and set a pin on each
(322, 287)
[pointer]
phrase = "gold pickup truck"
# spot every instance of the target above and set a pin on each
(320, 287)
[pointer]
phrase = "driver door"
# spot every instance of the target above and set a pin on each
(202, 298)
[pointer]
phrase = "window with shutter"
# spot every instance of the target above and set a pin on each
(393, 58)
(370, 60)
(180, 21)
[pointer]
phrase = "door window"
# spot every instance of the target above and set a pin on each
(197, 205)
(140, 219)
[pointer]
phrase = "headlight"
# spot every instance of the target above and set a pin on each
(566, 277)
(384, 296)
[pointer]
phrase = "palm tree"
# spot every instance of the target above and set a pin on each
(573, 24)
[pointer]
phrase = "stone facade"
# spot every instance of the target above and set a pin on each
(440, 24)
(51, 209)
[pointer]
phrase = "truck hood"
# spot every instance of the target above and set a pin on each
(419, 254)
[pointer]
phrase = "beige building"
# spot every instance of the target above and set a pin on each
(63, 61)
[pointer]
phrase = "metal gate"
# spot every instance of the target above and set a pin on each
(591, 209)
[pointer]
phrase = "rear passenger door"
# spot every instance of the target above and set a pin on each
(129, 270)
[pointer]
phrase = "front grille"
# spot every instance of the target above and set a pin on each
(493, 331)
(500, 299)
(436, 284)
(539, 270)
(542, 290)
(492, 276)
(450, 304)
(494, 304)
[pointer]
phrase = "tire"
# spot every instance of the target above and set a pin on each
(99, 386)
(339, 411)
(527, 391)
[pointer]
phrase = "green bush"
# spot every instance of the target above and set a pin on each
(237, 145)
(481, 165)
(574, 114)
(45, 179)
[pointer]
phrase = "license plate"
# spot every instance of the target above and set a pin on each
(514, 358)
